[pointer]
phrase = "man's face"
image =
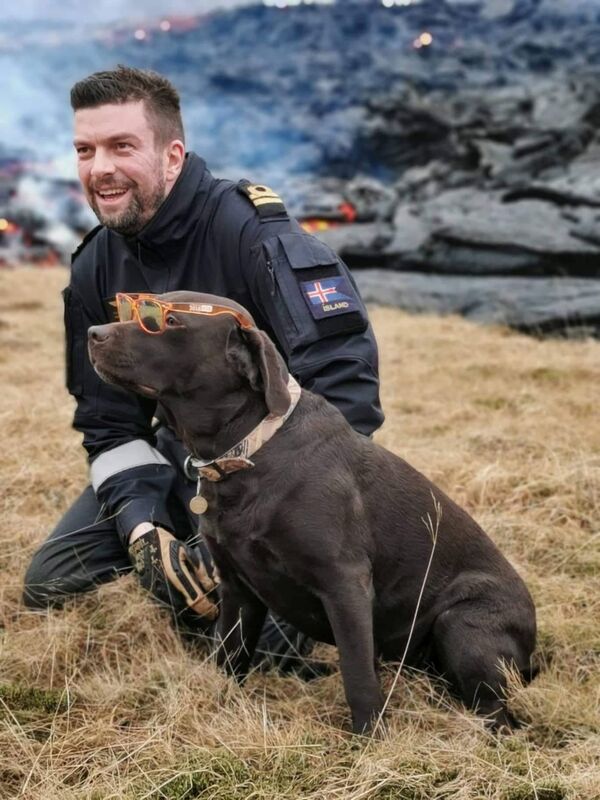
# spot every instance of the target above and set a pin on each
(123, 172)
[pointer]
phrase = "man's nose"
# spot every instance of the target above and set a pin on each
(102, 164)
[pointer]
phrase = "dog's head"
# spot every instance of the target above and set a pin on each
(207, 358)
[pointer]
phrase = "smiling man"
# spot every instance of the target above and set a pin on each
(127, 169)
(167, 224)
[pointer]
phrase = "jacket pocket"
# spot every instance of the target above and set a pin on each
(312, 289)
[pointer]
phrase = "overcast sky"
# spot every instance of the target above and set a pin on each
(105, 10)
(108, 10)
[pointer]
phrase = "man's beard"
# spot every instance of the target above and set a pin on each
(141, 208)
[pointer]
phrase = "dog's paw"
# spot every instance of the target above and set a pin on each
(502, 723)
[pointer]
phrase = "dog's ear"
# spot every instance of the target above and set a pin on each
(254, 355)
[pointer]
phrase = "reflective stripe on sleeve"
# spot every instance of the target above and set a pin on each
(133, 454)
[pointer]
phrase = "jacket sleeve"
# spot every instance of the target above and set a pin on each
(131, 478)
(311, 302)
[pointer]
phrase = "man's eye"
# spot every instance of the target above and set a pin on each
(82, 151)
(171, 320)
(123, 145)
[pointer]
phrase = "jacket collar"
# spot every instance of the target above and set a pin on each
(173, 220)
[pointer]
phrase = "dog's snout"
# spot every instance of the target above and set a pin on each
(98, 333)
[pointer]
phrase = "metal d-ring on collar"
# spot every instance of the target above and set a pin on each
(190, 472)
(191, 467)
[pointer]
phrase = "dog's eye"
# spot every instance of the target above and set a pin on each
(171, 320)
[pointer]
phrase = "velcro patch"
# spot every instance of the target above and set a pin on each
(328, 297)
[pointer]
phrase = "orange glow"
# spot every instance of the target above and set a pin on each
(7, 227)
(315, 225)
(348, 211)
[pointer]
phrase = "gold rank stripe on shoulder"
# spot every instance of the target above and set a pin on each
(264, 199)
(262, 195)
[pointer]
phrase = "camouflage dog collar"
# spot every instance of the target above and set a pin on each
(238, 456)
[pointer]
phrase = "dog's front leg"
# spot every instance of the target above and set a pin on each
(349, 610)
(240, 623)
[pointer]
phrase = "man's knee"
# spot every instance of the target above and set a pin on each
(63, 567)
(83, 551)
(39, 588)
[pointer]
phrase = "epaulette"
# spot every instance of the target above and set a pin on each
(87, 238)
(267, 203)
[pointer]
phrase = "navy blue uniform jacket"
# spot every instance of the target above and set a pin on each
(208, 237)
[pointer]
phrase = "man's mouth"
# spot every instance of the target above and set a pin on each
(110, 195)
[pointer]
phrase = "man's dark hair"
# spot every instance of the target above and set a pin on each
(127, 84)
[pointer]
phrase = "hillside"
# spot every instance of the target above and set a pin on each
(102, 701)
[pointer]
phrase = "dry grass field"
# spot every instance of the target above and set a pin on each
(101, 700)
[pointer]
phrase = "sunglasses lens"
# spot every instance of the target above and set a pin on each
(124, 309)
(150, 315)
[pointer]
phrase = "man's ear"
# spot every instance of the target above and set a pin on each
(174, 158)
(254, 355)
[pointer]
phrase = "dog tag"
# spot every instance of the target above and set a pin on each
(198, 504)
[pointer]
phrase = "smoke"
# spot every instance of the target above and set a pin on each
(109, 10)
(268, 93)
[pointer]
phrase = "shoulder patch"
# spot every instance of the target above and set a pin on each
(266, 202)
(328, 297)
(87, 238)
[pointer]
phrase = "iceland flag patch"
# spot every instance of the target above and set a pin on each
(327, 297)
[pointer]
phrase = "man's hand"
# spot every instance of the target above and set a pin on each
(173, 573)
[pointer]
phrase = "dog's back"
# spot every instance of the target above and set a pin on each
(394, 516)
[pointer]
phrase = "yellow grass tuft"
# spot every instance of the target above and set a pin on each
(101, 700)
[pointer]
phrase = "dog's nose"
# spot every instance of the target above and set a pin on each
(98, 333)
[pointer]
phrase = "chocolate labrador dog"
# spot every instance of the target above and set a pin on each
(318, 523)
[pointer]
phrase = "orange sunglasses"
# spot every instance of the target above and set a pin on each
(151, 313)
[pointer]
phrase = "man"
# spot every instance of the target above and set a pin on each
(168, 224)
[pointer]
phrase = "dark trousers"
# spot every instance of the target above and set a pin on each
(85, 550)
